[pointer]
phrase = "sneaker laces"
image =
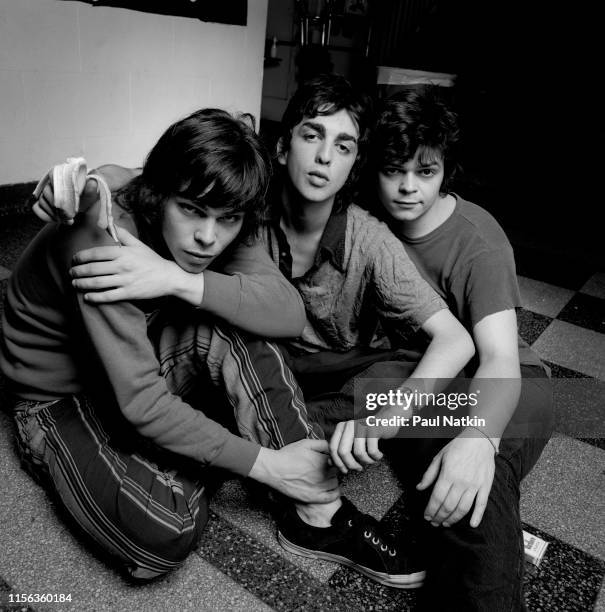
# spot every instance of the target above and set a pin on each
(370, 528)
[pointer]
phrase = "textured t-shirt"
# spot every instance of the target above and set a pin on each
(361, 276)
(469, 262)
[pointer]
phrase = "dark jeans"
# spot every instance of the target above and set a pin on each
(468, 568)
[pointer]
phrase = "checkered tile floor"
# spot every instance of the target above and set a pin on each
(240, 566)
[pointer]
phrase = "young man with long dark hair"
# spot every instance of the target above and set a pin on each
(121, 408)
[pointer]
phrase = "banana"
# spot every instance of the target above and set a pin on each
(69, 180)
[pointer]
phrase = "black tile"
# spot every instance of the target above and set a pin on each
(14, 198)
(550, 267)
(365, 594)
(567, 579)
(598, 442)
(579, 407)
(558, 371)
(531, 324)
(586, 311)
(16, 231)
(267, 575)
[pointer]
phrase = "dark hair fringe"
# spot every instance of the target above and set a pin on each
(211, 158)
(326, 94)
(415, 119)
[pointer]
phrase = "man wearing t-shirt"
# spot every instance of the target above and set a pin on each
(467, 488)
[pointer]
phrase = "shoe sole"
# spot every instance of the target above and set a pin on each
(404, 581)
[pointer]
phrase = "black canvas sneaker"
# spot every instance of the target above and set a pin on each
(354, 539)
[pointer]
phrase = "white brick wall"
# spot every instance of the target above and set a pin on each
(104, 82)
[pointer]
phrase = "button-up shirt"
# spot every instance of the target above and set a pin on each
(361, 276)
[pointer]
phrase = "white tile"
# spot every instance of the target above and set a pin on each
(40, 555)
(226, 94)
(4, 273)
(12, 117)
(573, 347)
(123, 150)
(53, 105)
(564, 495)
(39, 35)
(143, 140)
(202, 48)
(153, 104)
(193, 94)
(151, 43)
(159, 101)
(42, 155)
(105, 38)
(24, 161)
(595, 285)
(105, 99)
(120, 40)
(543, 298)
(14, 168)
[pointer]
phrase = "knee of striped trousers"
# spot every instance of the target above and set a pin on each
(163, 551)
(145, 517)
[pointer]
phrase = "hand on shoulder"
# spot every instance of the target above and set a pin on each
(132, 271)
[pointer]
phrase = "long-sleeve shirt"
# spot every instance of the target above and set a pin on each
(53, 340)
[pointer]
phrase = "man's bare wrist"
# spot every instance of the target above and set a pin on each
(471, 431)
(261, 468)
(189, 287)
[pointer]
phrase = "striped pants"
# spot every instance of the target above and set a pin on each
(144, 506)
